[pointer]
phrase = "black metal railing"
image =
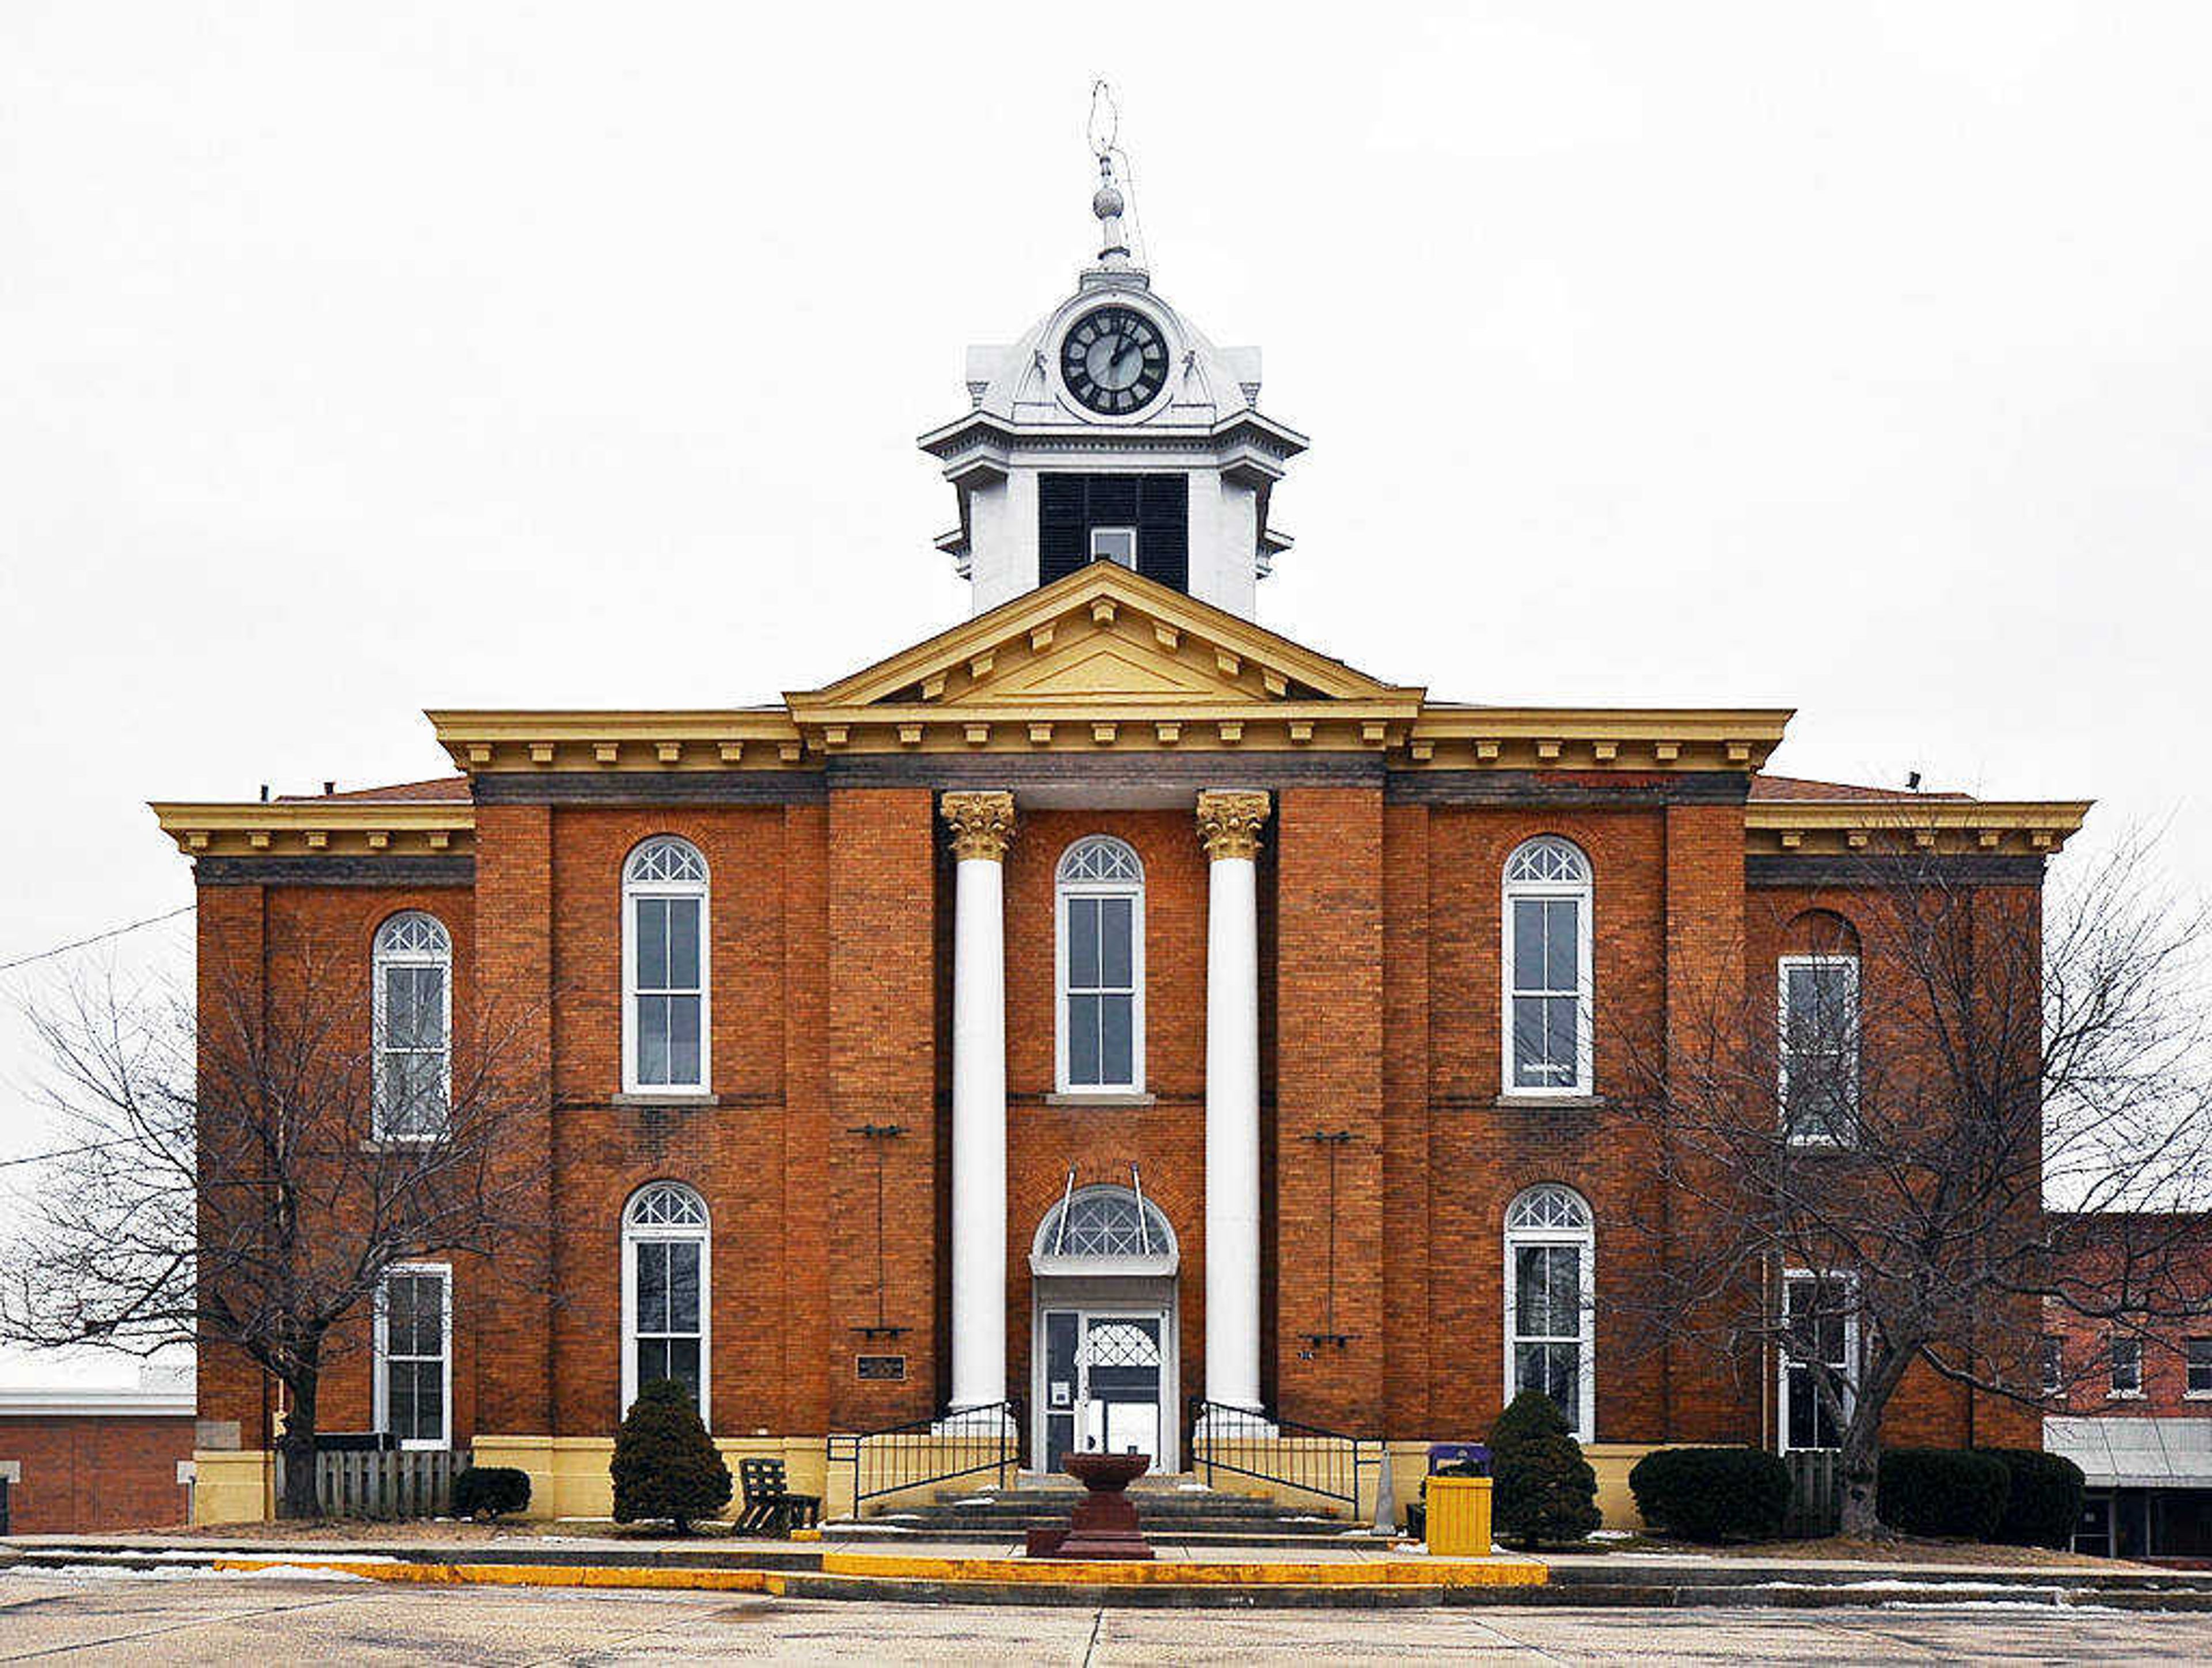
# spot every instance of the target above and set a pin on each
(966, 1442)
(1247, 1442)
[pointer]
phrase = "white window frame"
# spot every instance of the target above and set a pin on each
(2188, 1391)
(1098, 555)
(1065, 888)
(1849, 1279)
(2050, 1363)
(383, 956)
(1783, 966)
(2113, 1343)
(1584, 890)
(1584, 1239)
(636, 1233)
(382, 1392)
(633, 891)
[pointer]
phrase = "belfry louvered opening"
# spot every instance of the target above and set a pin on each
(1085, 518)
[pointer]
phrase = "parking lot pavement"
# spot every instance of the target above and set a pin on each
(108, 1617)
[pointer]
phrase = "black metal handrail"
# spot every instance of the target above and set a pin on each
(965, 1442)
(1248, 1442)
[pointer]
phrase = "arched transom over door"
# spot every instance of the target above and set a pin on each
(1104, 1379)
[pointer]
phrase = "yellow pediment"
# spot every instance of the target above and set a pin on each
(1102, 636)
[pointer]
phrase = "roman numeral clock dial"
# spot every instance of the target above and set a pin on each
(1114, 360)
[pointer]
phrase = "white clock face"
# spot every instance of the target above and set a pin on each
(1114, 360)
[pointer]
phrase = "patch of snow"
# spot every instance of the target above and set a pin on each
(1611, 1535)
(1899, 1584)
(1194, 1487)
(1302, 1519)
(1419, 1547)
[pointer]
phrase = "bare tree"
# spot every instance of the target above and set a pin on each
(244, 1171)
(1858, 1163)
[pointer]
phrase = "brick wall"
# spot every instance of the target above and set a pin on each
(84, 1473)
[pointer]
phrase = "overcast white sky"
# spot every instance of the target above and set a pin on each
(359, 359)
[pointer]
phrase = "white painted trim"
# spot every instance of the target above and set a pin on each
(1165, 1311)
(1096, 554)
(632, 891)
(1852, 1362)
(379, 959)
(637, 1234)
(1783, 967)
(1063, 890)
(1585, 1239)
(382, 1391)
(1585, 892)
(58, 1402)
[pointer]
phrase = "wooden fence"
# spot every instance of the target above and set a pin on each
(1816, 1493)
(410, 1482)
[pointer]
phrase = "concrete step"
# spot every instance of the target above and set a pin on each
(1168, 1534)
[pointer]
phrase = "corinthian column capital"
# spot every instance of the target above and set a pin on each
(983, 824)
(1229, 821)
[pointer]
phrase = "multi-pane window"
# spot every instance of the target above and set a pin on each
(665, 1008)
(2054, 1365)
(1547, 969)
(414, 1355)
(1819, 1359)
(664, 1291)
(2125, 1357)
(2196, 1362)
(1819, 1029)
(1550, 1245)
(413, 998)
(1101, 887)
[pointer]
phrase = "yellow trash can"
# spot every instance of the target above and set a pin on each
(1459, 1517)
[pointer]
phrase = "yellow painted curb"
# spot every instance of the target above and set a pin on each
(1072, 1572)
(527, 1575)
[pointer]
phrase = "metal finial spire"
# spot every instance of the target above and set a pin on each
(1107, 202)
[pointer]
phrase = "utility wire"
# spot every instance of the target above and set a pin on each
(97, 938)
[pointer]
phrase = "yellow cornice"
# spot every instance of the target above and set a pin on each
(506, 739)
(318, 828)
(1665, 739)
(1942, 827)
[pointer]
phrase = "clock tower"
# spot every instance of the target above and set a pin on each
(1113, 431)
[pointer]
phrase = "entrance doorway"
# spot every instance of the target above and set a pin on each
(1104, 1376)
(1105, 1383)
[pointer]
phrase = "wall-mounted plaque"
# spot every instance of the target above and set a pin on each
(884, 1368)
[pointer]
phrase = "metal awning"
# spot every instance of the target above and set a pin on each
(2135, 1453)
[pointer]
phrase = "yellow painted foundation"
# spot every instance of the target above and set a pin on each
(234, 1485)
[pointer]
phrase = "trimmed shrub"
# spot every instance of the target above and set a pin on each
(665, 1465)
(491, 1491)
(2045, 1502)
(1950, 1493)
(1712, 1494)
(1543, 1489)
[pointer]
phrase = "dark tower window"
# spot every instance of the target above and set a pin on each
(1087, 518)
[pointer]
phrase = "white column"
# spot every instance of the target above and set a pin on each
(1229, 824)
(982, 826)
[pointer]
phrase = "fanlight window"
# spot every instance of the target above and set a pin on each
(1122, 1344)
(1101, 858)
(667, 1204)
(667, 859)
(1549, 1207)
(1103, 1225)
(1549, 859)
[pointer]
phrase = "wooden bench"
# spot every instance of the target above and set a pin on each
(770, 1507)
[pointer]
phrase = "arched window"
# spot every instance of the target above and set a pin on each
(665, 1006)
(1105, 1230)
(1551, 1250)
(1818, 1024)
(413, 1004)
(664, 1291)
(1101, 959)
(1547, 1006)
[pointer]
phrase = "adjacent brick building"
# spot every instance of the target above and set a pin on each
(1104, 1002)
(77, 1461)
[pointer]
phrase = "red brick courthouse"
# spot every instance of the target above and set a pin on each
(1104, 1003)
